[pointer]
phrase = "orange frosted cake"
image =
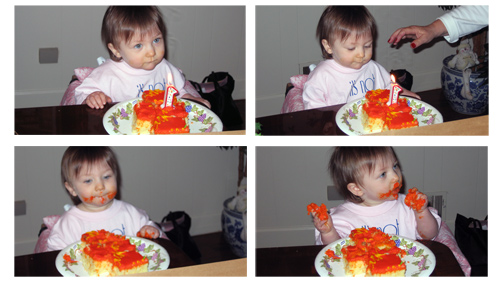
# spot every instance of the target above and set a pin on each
(371, 252)
(150, 118)
(377, 116)
(107, 254)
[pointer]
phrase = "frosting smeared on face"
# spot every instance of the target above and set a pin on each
(101, 198)
(393, 193)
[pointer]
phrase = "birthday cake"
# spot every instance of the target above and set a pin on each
(151, 118)
(371, 252)
(377, 115)
(107, 254)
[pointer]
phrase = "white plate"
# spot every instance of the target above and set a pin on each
(348, 118)
(419, 260)
(118, 119)
(157, 255)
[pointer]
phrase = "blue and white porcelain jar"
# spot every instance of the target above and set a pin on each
(452, 83)
(234, 229)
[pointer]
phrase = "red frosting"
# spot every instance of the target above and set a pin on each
(379, 95)
(376, 249)
(321, 211)
(397, 116)
(102, 245)
(412, 200)
(168, 120)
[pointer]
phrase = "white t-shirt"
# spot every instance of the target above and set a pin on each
(331, 83)
(464, 20)
(120, 218)
(121, 82)
(391, 217)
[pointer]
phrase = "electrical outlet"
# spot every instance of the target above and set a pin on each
(48, 55)
(19, 208)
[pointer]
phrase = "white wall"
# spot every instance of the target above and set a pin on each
(156, 179)
(289, 178)
(286, 38)
(201, 39)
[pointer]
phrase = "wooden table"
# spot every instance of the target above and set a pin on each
(299, 260)
(237, 267)
(43, 264)
(80, 120)
(321, 121)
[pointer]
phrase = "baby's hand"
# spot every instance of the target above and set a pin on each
(97, 100)
(410, 94)
(321, 219)
(200, 100)
(149, 232)
(416, 200)
(323, 226)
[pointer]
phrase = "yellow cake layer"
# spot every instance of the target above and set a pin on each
(105, 268)
(372, 125)
(355, 268)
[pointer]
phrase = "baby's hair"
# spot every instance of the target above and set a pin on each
(338, 22)
(75, 158)
(348, 164)
(121, 23)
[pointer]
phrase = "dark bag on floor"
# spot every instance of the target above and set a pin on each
(403, 78)
(176, 226)
(473, 241)
(217, 88)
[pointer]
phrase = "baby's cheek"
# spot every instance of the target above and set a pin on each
(112, 195)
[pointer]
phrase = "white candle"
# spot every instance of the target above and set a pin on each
(170, 91)
(395, 89)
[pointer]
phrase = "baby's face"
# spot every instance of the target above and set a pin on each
(144, 51)
(353, 52)
(383, 183)
(95, 185)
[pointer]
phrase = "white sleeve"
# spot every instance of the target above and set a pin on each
(464, 20)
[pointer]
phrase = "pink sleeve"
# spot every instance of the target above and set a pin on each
(64, 233)
(317, 235)
(314, 96)
(143, 219)
(86, 87)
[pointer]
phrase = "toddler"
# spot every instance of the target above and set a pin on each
(135, 39)
(370, 178)
(346, 35)
(91, 176)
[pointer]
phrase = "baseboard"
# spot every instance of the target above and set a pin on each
(26, 247)
(269, 105)
(285, 237)
(38, 98)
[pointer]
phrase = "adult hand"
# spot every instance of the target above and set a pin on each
(421, 34)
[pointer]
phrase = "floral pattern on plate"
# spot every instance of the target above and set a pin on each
(68, 260)
(118, 119)
(348, 118)
(420, 261)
